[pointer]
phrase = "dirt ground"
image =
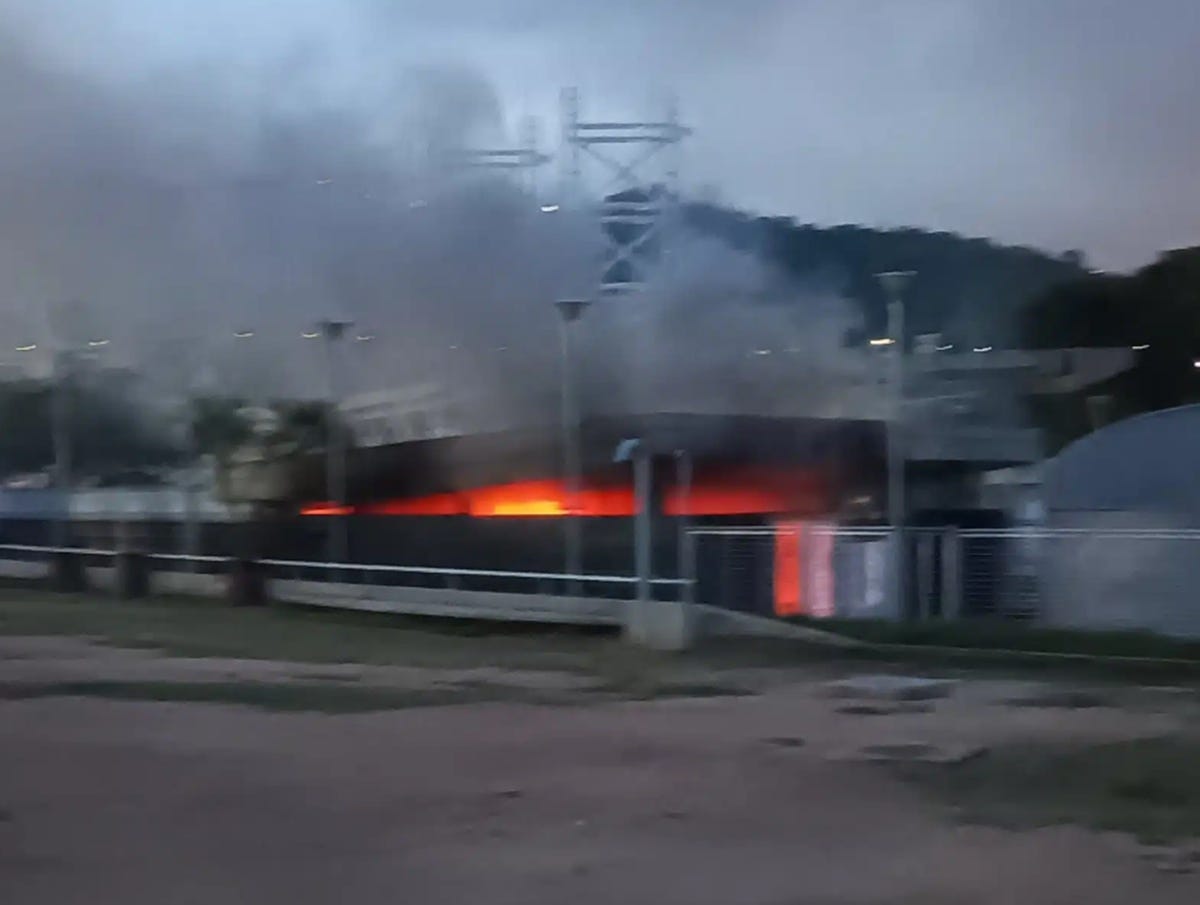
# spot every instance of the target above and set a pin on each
(581, 799)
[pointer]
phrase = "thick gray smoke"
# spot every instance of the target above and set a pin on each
(166, 229)
(166, 218)
(721, 331)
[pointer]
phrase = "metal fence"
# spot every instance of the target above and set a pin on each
(1094, 578)
(367, 575)
(1102, 578)
(492, 580)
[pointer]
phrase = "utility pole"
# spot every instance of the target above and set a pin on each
(570, 311)
(894, 283)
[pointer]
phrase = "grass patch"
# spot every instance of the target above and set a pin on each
(1008, 648)
(986, 634)
(194, 627)
(1147, 787)
(278, 696)
(324, 697)
(204, 628)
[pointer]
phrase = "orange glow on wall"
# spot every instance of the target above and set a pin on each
(789, 583)
(822, 602)
(803, 574)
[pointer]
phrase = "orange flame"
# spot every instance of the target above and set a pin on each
(729, 491)
(547, 499)
(326, 508)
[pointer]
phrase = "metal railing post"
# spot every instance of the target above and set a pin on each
(642, 521)
(952, 571)
(689, 577)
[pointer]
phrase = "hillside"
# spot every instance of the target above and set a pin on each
(970, 290)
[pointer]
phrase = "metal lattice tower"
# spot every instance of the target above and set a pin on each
(523, 160)
(638, 187)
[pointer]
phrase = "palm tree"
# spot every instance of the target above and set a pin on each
(256, 452)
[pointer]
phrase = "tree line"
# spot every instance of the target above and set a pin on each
(113, 439)
(1154, 312)
(969, 290)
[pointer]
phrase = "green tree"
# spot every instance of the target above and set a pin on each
(1155, 312)
(107, 434)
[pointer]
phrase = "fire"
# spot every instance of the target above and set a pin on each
(327, 508)
(728, 491)
(526, 508)
(547, 499)
(803, 579)
(528, 499)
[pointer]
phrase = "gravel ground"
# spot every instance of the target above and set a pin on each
(722, 800)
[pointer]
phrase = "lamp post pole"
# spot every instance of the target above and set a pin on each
(686, 565)
(570, 311)
(60, 416)
(894, 283)
(337, 550)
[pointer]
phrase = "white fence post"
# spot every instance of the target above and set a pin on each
(951, 551)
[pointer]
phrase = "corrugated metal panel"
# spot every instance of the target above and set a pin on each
(1147, 463)
(30, 503)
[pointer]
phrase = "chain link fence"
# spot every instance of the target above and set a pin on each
(1113, 579)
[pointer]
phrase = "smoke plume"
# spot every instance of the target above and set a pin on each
(165, 217)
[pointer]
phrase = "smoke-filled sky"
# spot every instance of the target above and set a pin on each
(1064, 124)
(172, 169)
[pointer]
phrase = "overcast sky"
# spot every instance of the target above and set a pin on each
(1058, 123)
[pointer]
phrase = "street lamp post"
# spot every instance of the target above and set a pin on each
(570, 311)
(60, 437)
(332, 331)
(62, 376)
(686, 551)
(634, 451)
(200, 377)
(60, 429)
(894, 283)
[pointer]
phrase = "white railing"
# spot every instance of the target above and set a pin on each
(344, 573)
(32, 548)
(454, 578)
